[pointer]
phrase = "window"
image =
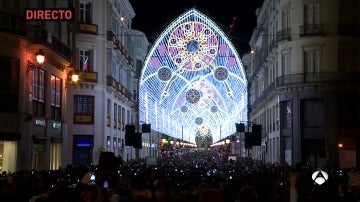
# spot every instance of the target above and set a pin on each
(286, 112)
(38, 92)
(115, 115)
(108, 142)
(57, 29)
(285, 15)
(115, 111)
(113, 69)
(13, 6)
(55, 98)
(85, 13)
(311, 61)
(313, 114)
(84, 59)
(128, 117)
(123, 116)
(9, 82)
(119, 117)
(286, 63)
(84, 109)
(114, 142)
(139, 65)
(312, 14)
(108, 108)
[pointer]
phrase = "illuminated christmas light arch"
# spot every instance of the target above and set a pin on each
(193, 77)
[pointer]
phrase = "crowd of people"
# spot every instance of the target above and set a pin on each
(199, 176)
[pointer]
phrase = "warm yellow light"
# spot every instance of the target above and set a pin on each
(227, 141)
(340, 145)
(74, 78)
(40, 57)
(163, 140)
(171, 142)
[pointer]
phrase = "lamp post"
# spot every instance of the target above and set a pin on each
(227, 142)
(40, 59)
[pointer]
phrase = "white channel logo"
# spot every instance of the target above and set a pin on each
(319, 177)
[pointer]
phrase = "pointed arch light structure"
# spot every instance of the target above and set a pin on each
(193, 78)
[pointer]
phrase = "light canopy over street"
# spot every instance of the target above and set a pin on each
(193, 81)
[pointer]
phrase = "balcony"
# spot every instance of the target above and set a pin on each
(259, 60)
(87, 28)
(284, 34)
(271, 88)
(119, 46)
(323, 78)
(110, 81)
(111, 36)
(12, 24)
(90, 77)
(272, 45)
(311, 29)
(317, 78)
(41, 35)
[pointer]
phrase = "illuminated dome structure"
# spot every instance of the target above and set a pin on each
(193, 77)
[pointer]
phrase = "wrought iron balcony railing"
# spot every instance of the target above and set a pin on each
(311, 29)
(110, 81)
(40, 35)
(312, 78)
(12, 23)
(317, 77)
(284, 34)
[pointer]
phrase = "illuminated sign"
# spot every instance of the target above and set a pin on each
(49, 14)
(40, 122)
(56, 125)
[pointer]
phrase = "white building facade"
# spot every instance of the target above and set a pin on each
(303, 76)
(103, 100)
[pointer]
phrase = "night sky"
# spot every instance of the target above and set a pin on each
(153, 16)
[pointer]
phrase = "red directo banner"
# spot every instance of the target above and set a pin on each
(49, 14)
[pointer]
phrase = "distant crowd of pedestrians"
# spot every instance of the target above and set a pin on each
(193, 177)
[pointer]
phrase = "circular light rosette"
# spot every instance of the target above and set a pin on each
(164, 74)
(193, 96)
(214, 109)
(198, 120)
(184, 109)
(221, 73)
(193, 46)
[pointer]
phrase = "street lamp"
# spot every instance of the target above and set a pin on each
(40, 59)
(73, 78)
(227, 142)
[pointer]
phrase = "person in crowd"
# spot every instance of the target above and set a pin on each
(195, 177)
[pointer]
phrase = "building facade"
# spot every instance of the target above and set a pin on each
(33, 104)
(304, 81)
(47, 119)
(103, 100)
